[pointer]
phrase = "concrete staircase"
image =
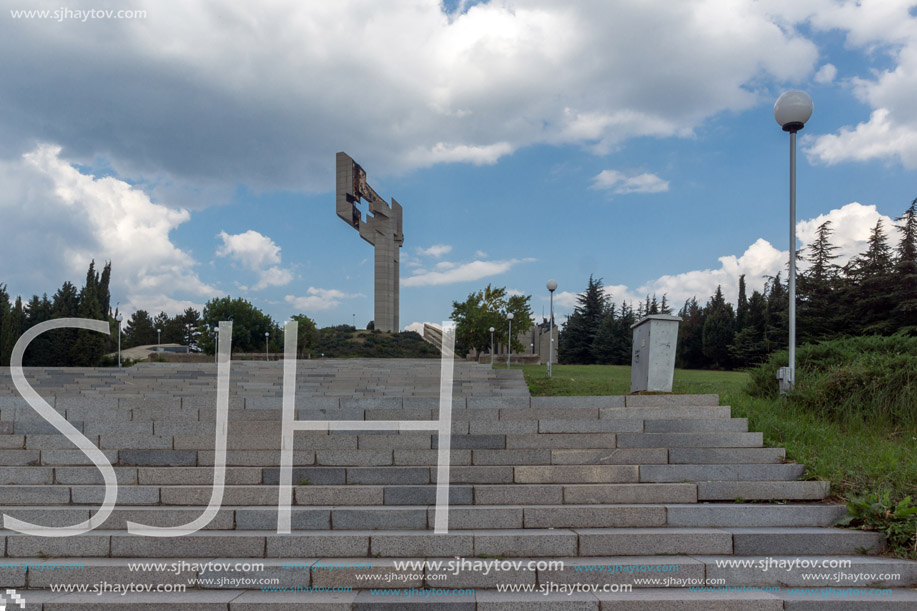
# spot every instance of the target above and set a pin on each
(620, 490)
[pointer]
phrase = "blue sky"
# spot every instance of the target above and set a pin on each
(193, 145)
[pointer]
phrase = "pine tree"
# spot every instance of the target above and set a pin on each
(39, 352)
(139, 330)
(869, 287)
(905, 296)
(719, 330)
(690, 350)
(578, 335)
(12, 328)
(64, 304)
(818, 312)
(777, 315)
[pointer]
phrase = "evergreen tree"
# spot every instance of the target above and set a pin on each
(817, 304)
(905, 295)
(869, 288)
(191, 322)
(4, 310)
(139, 330)
(741, 305)
(104, 293)
(40, 350)
(578, 335)
(719, 330)
(12, 328)
(64, 304)
(777, 315)
(90, 345)
(749, 347)
(690, 350)
(603, 345)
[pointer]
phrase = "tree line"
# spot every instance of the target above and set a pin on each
(83, 348)
(875, 293)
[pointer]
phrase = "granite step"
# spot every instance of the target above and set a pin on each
(500, 543)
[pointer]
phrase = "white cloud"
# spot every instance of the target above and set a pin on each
(851, 225)
(437, 250)
(57, 220)
(480, 254)
(469, 87)
(465, 272)
(257, 253)
(416, 327)
(317, 299)
(621, 183)
(826, 74)
(880, 27)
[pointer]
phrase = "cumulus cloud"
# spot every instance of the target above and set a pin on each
(621, 183)
(851, 225)
(318, 299)
(59, 219)
(466, 87)
(465, 272)
(437, 250)
(884, 27)
(826, 74)
(257, 253)
(416, 327)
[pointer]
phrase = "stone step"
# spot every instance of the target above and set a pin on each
(725, 456)
(500, 543)
(485, 600)
(477, 573)
(366, 494)
(762, 490)
(698, 473)
(717, 515)
(421, 517)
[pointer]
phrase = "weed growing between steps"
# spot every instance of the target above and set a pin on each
(897, 521)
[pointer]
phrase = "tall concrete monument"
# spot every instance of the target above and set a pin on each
(381, 228)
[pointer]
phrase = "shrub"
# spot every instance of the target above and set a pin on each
(873, 379)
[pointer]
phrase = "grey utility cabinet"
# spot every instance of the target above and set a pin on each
(653, 357)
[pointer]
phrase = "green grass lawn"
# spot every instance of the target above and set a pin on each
(856, 458)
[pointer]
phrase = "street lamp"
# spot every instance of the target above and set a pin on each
(158, 340)
(791, 111)
(491, 346)
(119, 318)
(266, 356)
(552, 286)
(509, 337)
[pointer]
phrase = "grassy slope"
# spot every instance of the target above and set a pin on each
(855, 459)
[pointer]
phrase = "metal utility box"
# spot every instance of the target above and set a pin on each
(653, 356)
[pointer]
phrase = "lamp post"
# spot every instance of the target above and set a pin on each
(266, 354)
(552, 286)
(509, 338)
(216, 349)
(158, 340)
(119, 318)
(491, 346)
(791, 111)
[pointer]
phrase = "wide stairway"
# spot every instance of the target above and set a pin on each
(569, 503)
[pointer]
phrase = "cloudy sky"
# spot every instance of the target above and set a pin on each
(192, 143)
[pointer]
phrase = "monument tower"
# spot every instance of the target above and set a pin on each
(381, 228)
